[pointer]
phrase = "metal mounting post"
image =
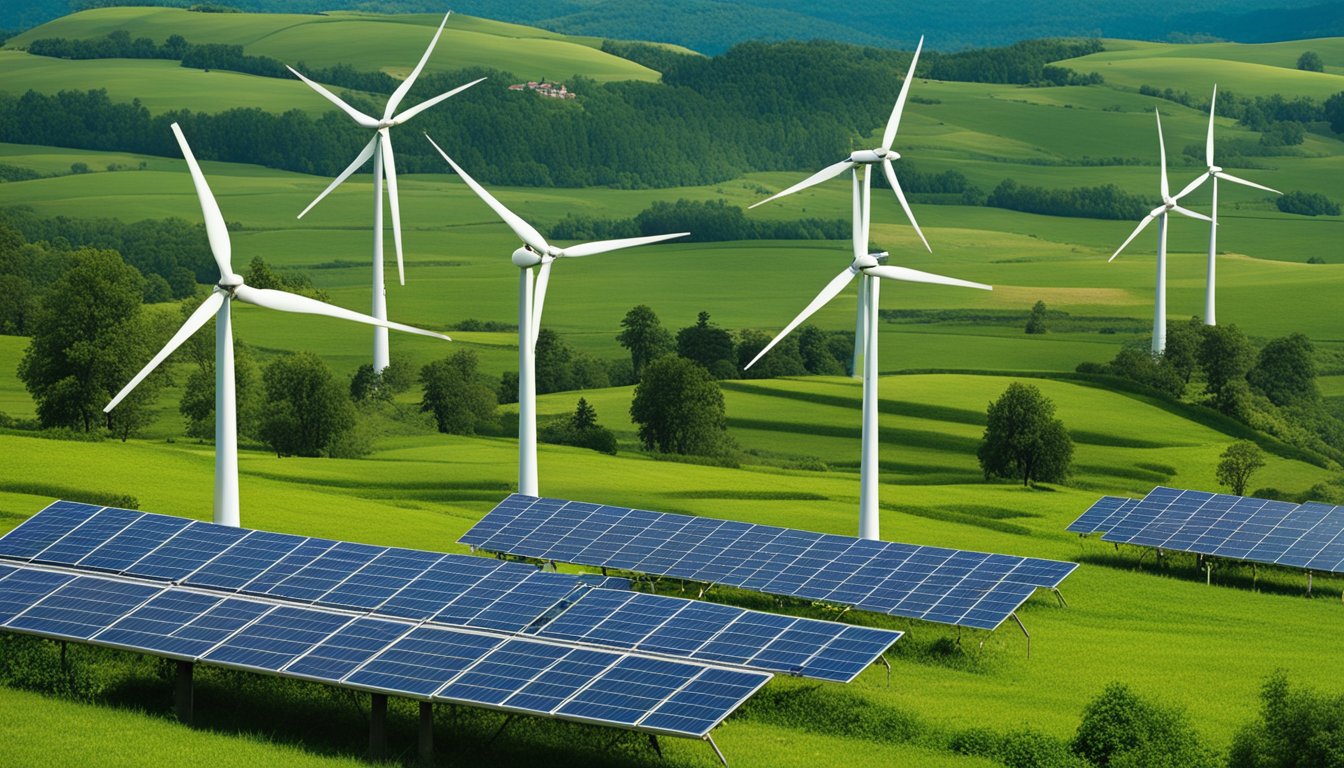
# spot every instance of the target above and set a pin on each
(1060, 596)
(1308, 583)
(426, 733)
(1022, 627)
(502, 726)
(718, 752)
(183, 692)
(653, 742)
(887, 664)
(378, 726)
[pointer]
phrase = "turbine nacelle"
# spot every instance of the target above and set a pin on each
(230, 282)
(525, 257)
(870, 260)
(873, 156)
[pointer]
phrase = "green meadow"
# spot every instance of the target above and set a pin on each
(1154, 626)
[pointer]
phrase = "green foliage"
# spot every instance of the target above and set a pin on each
(1036, 321)
(1023, 439)
(560, 368)
(679, 408)
(460, 398)
(1024, 63)
(644, 335)
(1310, 61)
(1285, 370)
(784, 359)
(1104, 202)
(306, 411)
(366, 385)
(1121, 730)
(88, 341)
(1017, 749)
(1298, 728)
(1225, 355)
(580, 430)
(708, 345)
(1307, 204)
(1238, 463)
(1334, 112)
(197, 405)
(260, 275)
(825, 353)
(1136, 363)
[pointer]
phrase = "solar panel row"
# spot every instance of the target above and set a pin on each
(1309, 536)
(456, 590)
(1102, 515)
(529, 676)
(948, 586)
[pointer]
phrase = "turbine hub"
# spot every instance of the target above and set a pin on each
(865, 261)
(388, 123)
(867, 156)
(230, 282)
(525, 257)
(1215, 169)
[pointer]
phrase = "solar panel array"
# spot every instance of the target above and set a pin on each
(948, 586)
(1309, 536)
(405, 658)
(453, 590)
(1102, 515)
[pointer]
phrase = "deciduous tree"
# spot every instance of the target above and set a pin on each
(643, 334)
(1023, 440)
(679, 408)
(456, 393)
(1238, 463)
(307, 410)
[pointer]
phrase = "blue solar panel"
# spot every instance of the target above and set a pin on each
(44, 529)
(82, 540)
(1101, 515)
(419, 663)
(144, 535)
(82, 607)
(1237, 527)
(297, 559)
(181, 624)
(20, 589)
(625, 693)
(341, 653)
(561, 680)
(277, 638)
(439, 585)
(383, 577)
(325, 572)
(507, 669)
(699, 705)
(190, 549)
(244, 561)
(930, 583)
(528, 601)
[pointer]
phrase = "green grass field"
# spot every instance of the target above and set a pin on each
(1158, 628)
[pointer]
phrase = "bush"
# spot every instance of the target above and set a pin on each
(580, 430)
(1018, 749)
(1121, 730)
(1310, 61)
(1307, 204)
(1297, 729)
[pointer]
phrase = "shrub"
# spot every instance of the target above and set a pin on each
(1121, 730)
(1298, 728)
(1307, 204)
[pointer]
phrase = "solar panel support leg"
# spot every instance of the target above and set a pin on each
(1060, 596)
(378, 726)
(653, 742)
(886, 664)
(183, 691)
(717, 752)
(426, 733)
(65, 668)
(502, 726)
(1022, 627)
(1308, 583)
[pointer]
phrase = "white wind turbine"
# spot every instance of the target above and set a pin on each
(1215, 173)
(535, 251)
(217, 304)
(882, 155)
(1168, 205)
(868, 267)
(384, 166)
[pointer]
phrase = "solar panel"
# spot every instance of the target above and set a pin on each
(454, 590)
(1102, 515)
(931, 583)
(44, 529)
(1307, 536)
(20, 588)
(180, 624)
(81, 607)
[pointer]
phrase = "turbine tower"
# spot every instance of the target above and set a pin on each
(384, 166)
(535, 252)
(883, 156)
(217, 304)
(869, 267)
(1214, 173)
(1168, 205)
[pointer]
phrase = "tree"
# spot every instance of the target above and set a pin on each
(86, 342)
(1182, 346)
(1307, 204)
(785, 359)
(460, 398)
(198, 398)
(307, 410)
(818, 353)
(678, 408)
(1023, 439)
(553, 357)
(1036, 321)
(1334, 112)
(1296, 728)
(1285, 371)
(1225, 356)
(1238, 463)
(1310, 61)
(706, 344)
(581, 430)
(644, 336)
(1120, 729)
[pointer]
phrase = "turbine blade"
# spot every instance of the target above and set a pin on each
(1142, 224)
(603, 246)
(831, 290)
(1243, 182)
(360, 160)
(390, 172)
(520, 228)
(406, 84)
(539, 298)
(1208, 144)
(1191, 214)
(915, 276)
(1192, 186)
(825, 174)
(889, 135)
(198, 318)
(292, 302)
(905, 204)
(1162, 152)
(859, 237)
(359, 117)
(215, 229)
(422, 106)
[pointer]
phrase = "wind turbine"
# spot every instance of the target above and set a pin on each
(883, 156)
(869, 267)
(217, 304)
(384, 165)
(1168, 205)
(1215, 173)
(534, 252)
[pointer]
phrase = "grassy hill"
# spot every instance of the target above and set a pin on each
(1158, 628)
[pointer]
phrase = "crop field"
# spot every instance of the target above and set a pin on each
(1155, 626)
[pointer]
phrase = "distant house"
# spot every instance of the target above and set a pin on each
(549, 90)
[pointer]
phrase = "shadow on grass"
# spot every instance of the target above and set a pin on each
(1235, 574)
